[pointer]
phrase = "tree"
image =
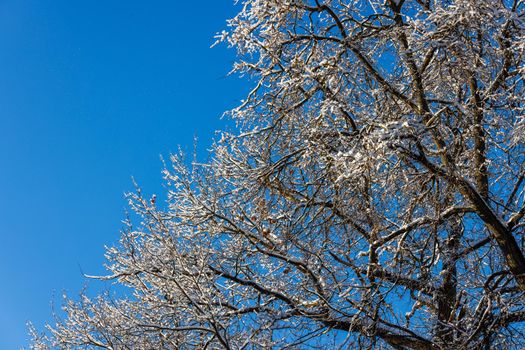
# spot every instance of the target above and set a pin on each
(372, 197)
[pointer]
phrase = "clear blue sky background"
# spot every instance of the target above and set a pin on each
(91, 93)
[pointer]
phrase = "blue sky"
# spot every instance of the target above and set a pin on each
(92, 93)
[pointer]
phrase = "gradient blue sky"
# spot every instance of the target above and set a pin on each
(92, 93)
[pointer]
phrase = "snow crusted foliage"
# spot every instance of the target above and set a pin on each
(372, 196)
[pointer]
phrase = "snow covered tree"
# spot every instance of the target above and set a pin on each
(371, 197)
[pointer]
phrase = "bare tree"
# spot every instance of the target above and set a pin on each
(373, 196)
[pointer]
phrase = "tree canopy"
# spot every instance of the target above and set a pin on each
(372, 195)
